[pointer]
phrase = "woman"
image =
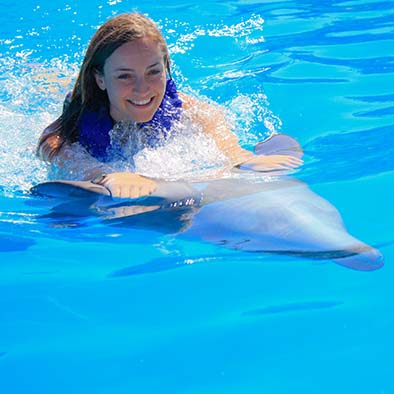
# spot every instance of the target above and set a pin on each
(124, 88)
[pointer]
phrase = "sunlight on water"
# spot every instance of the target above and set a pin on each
(250, 31)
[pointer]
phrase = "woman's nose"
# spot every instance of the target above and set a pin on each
(141, 85)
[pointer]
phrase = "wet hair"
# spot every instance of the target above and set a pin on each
(110, 36)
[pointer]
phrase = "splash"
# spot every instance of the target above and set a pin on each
(190, 155)
(19, 169)
(250, 31)
(31, 97)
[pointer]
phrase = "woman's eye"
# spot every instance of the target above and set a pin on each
(124, 76)
(154, 72)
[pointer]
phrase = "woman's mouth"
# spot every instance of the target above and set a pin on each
(141, 103)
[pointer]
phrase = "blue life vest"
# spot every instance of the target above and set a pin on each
(94, 126)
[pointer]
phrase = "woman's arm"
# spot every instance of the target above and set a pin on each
(72, 161)
(215, 125)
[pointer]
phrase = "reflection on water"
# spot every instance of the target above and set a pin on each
(370, 151)
(294, 307)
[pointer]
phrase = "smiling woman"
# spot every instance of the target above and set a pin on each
(124, 96)
(135, 80)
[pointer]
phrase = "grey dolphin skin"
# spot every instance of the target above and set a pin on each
(281, 216)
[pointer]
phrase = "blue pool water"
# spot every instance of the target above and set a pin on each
(88, 306)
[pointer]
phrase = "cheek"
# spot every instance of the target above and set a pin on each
(115, 90)
(160, 86)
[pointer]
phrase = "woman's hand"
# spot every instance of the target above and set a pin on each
(262, 163)
(127, 185)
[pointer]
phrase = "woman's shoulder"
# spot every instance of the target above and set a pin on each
(187, 101)
(195, 106)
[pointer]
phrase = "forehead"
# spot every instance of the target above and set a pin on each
(143, 52)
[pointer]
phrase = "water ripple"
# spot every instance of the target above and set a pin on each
(11, 243)
(293, 307)
(364, 66)
(384, 98)
(376, 113)
(368, 149)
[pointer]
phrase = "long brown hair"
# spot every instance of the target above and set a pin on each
(86, 94)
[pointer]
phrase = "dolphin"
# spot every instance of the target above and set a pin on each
(280, 216)
(273, 213)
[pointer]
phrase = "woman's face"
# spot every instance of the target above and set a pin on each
(135, 80)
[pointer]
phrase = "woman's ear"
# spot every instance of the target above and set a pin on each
(167, 66)
(99, 77)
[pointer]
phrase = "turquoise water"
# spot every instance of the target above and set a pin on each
(88, 306)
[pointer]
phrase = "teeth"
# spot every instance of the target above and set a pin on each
(143, 102)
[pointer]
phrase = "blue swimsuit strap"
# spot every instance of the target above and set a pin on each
(94, 126)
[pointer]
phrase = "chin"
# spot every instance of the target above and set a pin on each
(142, 119)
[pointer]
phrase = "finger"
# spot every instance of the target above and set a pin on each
(296, 160)
(146, 190)
(288, 165)
(127, 191)
(153, 187)
(115, 190)
(296, 163)
(277, 167)
(134, 192)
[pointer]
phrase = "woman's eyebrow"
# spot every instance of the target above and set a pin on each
(154, 65)
(131, 69)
